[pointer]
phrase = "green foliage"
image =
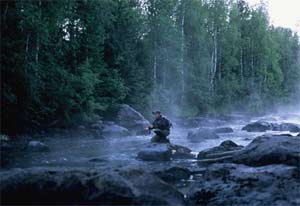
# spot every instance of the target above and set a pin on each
(64, 60)
(54, 69)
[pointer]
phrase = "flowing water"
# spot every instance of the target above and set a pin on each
(89, 151)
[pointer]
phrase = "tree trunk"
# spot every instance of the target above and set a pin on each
(182, 56)
(27, 47)
(165, 70)
(252, 69)
(218, 69)
(5, 14)
(37, 50)
(214, 61)
(155, 54)
(241, 66)
(155, 67)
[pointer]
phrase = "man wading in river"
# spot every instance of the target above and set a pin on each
(161, 127)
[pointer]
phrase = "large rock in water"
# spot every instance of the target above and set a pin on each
(69, 186)
(262, 126)
(155, 152)
(267, 149)
(258, 126)
(181, 152)
(111, 129)
(164, 152)
(131, 119)
(201, 134)
(236, 185)
(291, 127)
(174, 174)
(222, 150)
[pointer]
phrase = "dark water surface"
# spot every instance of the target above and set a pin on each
(89, 151)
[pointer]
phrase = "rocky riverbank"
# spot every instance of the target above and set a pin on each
(266, 171)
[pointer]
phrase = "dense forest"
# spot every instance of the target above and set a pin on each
(64, 60)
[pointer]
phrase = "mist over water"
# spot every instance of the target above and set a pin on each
(88, 151)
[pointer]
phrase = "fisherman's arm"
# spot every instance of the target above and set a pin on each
(149, 127)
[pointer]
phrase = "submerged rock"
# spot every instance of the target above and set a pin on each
(85, 186)
(201, 134)
(258, 126)
(97, 160)
(268, 149)
(131, 119)
(223, 130)
(37, 146)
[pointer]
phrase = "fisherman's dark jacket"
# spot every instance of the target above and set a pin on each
(162, 123)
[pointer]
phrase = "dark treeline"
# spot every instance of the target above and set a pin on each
(63, 60)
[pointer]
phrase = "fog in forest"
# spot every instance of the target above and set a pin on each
(63, 61)
(148, 102)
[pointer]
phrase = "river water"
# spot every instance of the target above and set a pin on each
(89, 151)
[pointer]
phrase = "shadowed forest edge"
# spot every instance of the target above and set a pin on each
(65, 60)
